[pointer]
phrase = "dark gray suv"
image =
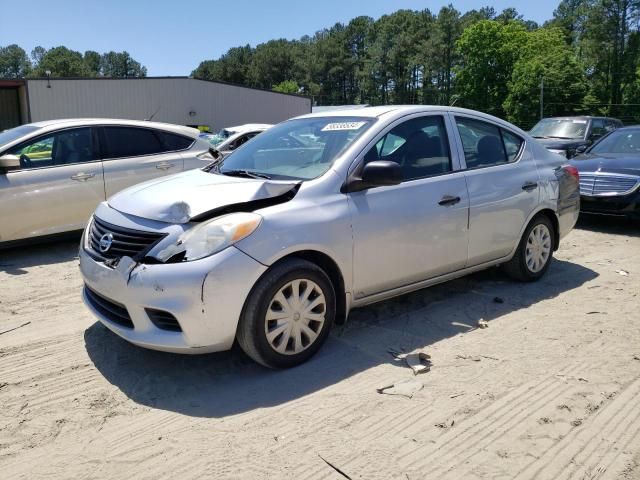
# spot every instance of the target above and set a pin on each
(570, 135)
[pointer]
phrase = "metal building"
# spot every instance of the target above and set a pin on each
(179, 100)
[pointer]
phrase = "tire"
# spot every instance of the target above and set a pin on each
(289, 343)
(525, 268)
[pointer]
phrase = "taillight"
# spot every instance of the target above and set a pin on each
(573, 171)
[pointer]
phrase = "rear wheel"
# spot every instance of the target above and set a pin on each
(534, 253)
(288, 314)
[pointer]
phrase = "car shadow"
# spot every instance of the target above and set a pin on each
(15, 260)
(609, 224)
(229, 383)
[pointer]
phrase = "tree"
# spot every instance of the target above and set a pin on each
(14, 62)
(121, 65)
(288, 86)
(489, 50)
(92, 62)
(545, 55)
(61, 62)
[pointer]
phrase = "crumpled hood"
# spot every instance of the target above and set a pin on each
(627, 164)
(184, 196)
(561, 144)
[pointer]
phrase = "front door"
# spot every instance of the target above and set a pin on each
(58, 186)
(416, 230)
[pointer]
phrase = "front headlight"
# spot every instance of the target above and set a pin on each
(212, 236)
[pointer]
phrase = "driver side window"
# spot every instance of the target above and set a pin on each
(60, 148)
(420, 146)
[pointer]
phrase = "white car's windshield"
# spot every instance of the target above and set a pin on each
(560, 128)
(620, 141)
(7, 136)
(298, 149)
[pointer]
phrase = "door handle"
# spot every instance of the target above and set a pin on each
(82, 177)
(448, 200)
(164, 166)
(528, 186)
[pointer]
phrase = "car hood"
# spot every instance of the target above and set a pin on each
(607, 162)
(194, 194)
(561, 144)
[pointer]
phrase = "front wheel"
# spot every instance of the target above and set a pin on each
(288, 314)
(534, 253)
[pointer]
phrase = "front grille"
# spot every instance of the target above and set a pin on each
(594, 184)
(126, 241)
(114, 311)
(163, 320)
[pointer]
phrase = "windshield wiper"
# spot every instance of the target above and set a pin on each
(563, 138)
(244, 173)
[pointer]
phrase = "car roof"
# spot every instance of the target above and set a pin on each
(580, 117)
(392, 112)
(48, 125)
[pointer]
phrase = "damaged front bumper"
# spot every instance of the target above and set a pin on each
(205, 298)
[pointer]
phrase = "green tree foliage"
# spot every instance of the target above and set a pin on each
(489, 50)
(545, 56)
(288, 86)
(14, 62)
(63, 62)
(120, 65)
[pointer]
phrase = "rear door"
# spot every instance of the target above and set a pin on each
(135, 154)
(58, 186)
(503, 187)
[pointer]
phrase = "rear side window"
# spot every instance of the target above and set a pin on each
(512, 145)
(172, 141)
(486, 145)
(131, 142)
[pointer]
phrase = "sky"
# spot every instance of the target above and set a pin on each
(172, 38)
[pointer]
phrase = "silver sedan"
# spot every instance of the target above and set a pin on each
(281, 239)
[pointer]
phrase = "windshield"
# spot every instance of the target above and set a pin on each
(8, 136)
(619, 141)
(560, 128)
(298, 149)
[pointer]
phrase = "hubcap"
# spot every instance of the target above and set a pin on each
(295, 317)
(538, 248)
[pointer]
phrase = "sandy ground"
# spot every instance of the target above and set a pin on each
(550, 390)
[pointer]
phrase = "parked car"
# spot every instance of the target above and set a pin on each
(570, 135)
(610, 174)
(276, 243)
(53, 174)
(228, 139)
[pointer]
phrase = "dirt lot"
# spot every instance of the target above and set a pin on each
(550, 390)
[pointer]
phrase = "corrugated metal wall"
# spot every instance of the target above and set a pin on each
(182, 101)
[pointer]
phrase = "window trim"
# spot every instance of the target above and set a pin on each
(104, 148)
(95, 148)
(358, 163)
(500, 127)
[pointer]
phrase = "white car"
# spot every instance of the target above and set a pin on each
(228, 139)
(277, 242)
(54, 173)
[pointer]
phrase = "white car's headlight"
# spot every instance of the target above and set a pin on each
(212, 236)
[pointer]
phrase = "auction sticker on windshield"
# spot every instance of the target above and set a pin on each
(343, 126)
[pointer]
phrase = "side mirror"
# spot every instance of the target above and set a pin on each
(9, 162)
(581, 149)
(380, 173)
